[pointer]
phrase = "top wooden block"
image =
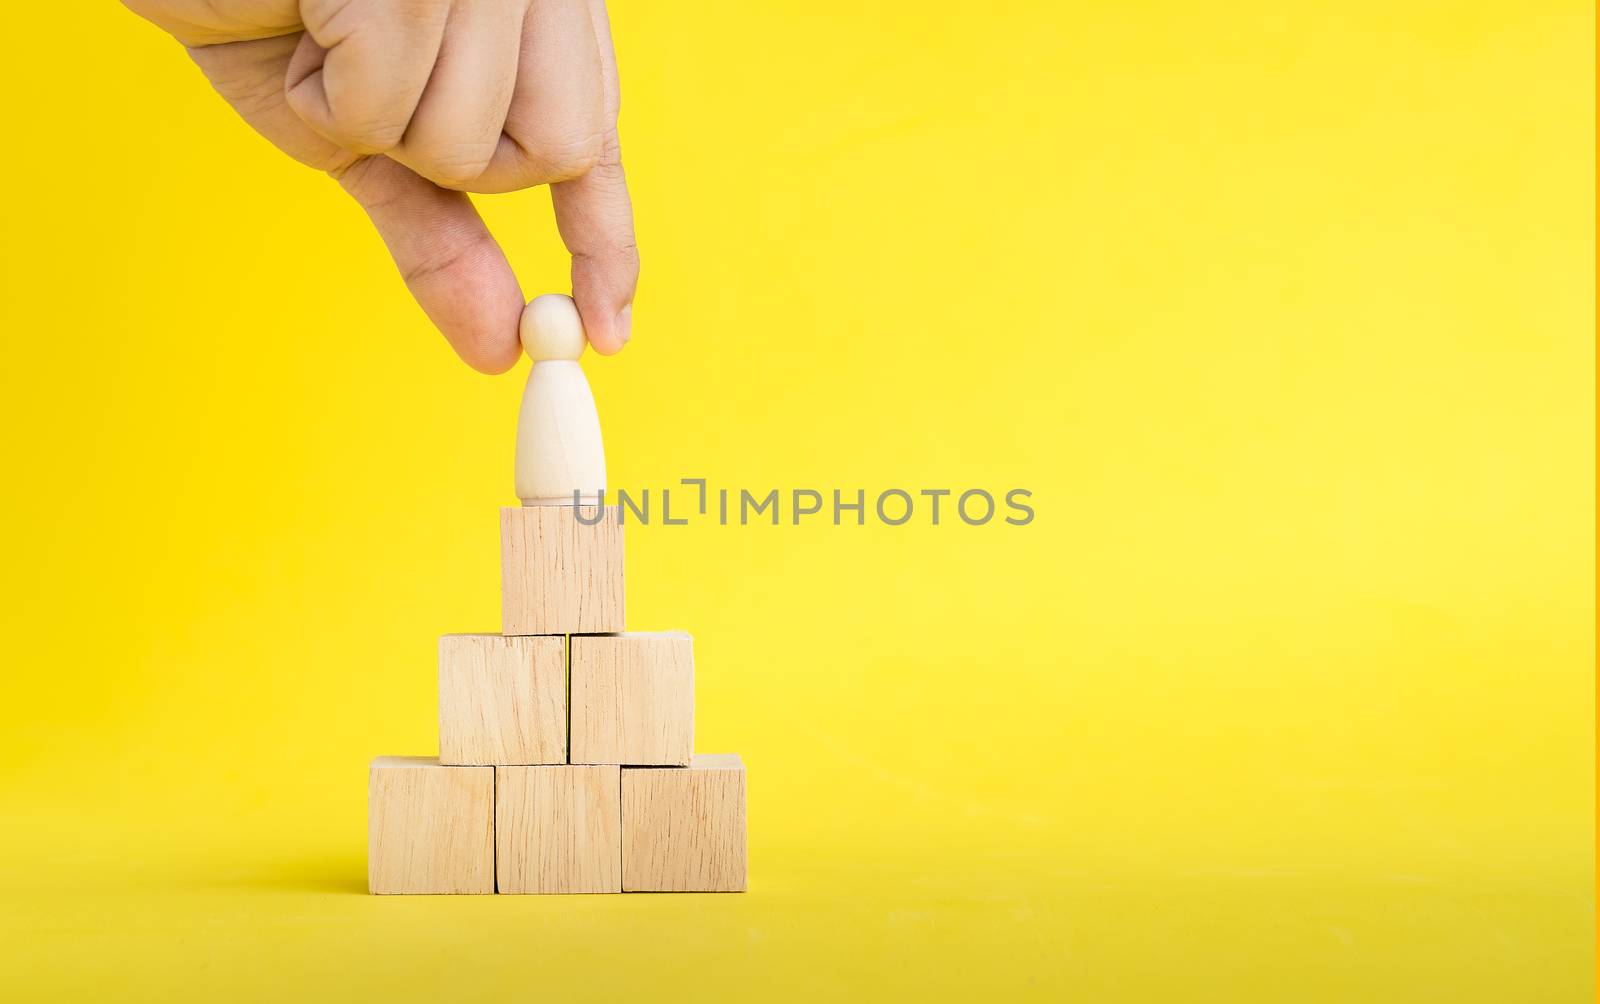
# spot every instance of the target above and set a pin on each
(558, 574)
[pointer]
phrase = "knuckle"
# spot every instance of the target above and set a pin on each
(360, 124)
(355, 176)
(368, 132)
(616, 258)
(456, 169)
(323, 18)
(453, 259)
(564, 156)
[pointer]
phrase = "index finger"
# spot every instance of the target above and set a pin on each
(450, 262)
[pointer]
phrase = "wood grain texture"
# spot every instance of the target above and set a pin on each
(683, 828)
(633, 698)
(557, 575)
(430, 828)
(559, 450)
(502, 699)
(558, 829)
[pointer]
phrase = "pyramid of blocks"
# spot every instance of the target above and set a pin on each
(566, 743)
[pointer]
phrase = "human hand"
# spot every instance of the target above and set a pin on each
(410, 104)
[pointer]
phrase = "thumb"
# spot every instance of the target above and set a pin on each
(596, 223)
(449, 260)
(596, 220)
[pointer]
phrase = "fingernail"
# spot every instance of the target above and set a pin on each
(625, 324)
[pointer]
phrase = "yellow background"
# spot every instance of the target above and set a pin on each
(1284, 312)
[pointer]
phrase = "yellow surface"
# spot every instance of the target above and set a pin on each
(1284, 313)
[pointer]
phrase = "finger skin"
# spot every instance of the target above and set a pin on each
(456, 271)
(249, 76)
(453, 267)
(208, 22)
(556, 123)
(595, 218)
(362, 67)
(448, 259)
(456, 128)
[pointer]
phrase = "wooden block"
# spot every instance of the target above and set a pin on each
(558, 829)
(683, 827)
(558, 576)
(633, 698)
(502, 700)
(430, 828)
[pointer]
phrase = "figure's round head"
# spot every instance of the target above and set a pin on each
(551, 329)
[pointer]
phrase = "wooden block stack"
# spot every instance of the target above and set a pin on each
(566, 743)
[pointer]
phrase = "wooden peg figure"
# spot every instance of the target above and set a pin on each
(559, 451)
